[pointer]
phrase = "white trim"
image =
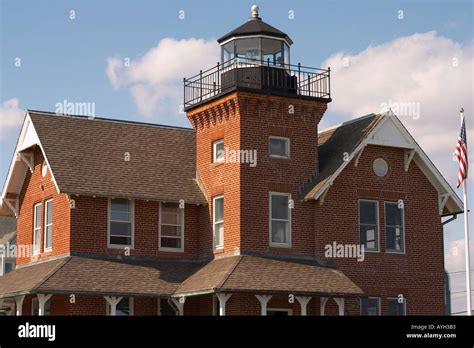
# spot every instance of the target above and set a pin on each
(372, 298)
(442, 200)
(287, 310)
(132, 218)
(36, 229)
(270, 219)
(219, 246)
(393, 251)
(45, 249)
(408, 156)
(181, 217)
(287, 147)
(214, 151)
(263, 299)
(404, 304)
(423, 161)
(252, 37)
(114, 301)
(378, 224)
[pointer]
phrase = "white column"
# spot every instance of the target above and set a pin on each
(179, 303)
(19, 304)
(303, 300)
(263, 303)
(323, 301)
(222, 300)
(42, 299)
(340, 304)
(113, 302)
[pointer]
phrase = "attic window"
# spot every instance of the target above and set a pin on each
(44, 169)
(380, 167)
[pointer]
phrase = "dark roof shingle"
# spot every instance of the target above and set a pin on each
(89, 157)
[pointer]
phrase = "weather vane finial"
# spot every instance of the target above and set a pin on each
(255, 11)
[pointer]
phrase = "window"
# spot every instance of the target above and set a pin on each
(368, 225)
(171, 227)
(279, 312)
(370, 306)
(9, 267)
(394, 231)
(279, 147)
(48, 225)
(218, 151)
(396, 307)
(37, 229)
(218, 221)
(380, 167)
(35, 307)
(44, 168)
(124, 307)
(280, 218)
(121, 223)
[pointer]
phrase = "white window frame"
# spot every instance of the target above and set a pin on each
(130, 302)
(181, 249)
(270, 219)
(378, 225)
(287, 310)
(214, 222)
(287, 147)
(35, 300)
(394, 251)
(378, 305)
(46, 225)
(404, 304)
(37, 230)
(132, 214)
(214, 151)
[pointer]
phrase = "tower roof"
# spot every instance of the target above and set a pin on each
(255, 26)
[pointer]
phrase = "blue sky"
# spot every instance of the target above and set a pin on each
(67, 59)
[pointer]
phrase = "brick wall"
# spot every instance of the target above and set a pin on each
(38, 189)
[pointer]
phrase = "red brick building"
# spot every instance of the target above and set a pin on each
(253, 211)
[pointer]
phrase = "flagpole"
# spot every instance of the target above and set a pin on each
(466, 241)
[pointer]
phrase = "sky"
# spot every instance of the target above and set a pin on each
(128, 58)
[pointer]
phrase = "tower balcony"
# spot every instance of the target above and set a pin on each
(252, 75)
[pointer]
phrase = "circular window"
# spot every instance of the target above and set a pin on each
(380, 167)
(44, 168)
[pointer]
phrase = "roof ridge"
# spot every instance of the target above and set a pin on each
(240, 257)
(53, 272)
(350, 122)
(113, 120)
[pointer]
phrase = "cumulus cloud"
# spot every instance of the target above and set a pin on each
(425, 78)
(155, 79)
(11, 117)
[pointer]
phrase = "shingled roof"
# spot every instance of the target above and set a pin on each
(81, 275)
(87, 157)
(269, 276)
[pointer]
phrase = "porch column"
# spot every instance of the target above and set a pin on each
(42, 299)
(263, 303)
(113, 302)
(323, 301)
(19, 304)
(179, 303)
(222, 300)
(340, 304)
(303, 300)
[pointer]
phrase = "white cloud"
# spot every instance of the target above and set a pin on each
(155, 79)
(430, 71)
(11, 117)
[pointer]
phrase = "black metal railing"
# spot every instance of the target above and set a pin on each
(256, 74)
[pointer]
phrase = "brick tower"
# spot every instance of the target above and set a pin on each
(256, 119)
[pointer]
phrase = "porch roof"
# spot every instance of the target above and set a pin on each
(259, 275)
(81, 275)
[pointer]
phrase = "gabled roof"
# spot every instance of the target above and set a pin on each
(82, 275)
(384, 130)
(269, 276)
(89, 157)
(255, 26)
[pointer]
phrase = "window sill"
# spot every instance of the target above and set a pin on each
(171, 250)
(113, 246)
(48, 250)
(280, 246)
(218, 164)
(395, 252)
(279, 157)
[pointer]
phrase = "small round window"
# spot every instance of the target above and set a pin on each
(44, 168)
(380, 167)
